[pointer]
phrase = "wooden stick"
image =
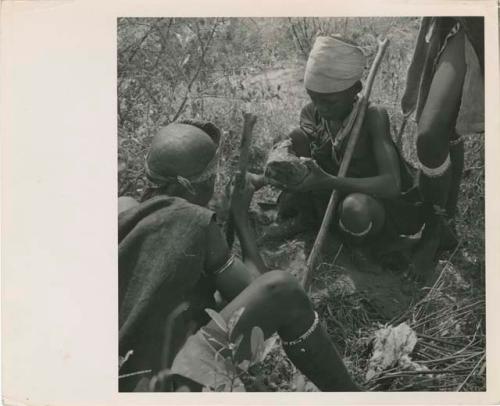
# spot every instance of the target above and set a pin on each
(356, 130)
(459, 387)
(249, 121)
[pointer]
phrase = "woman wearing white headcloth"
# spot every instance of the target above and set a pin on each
(372, 192)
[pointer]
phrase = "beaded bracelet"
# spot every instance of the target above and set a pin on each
(353, 233)
(304, 336)
(226, 266)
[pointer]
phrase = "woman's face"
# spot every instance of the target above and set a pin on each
(333, 106)
(203, 192)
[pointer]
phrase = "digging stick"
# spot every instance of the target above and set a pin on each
(249, 121)
(355, 132)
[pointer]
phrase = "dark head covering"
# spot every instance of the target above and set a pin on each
(184, 152)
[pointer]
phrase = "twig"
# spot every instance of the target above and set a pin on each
(336, 321)
(439, 340)
(337, 254)
(465, 359)
(459, 387)
(445, 313)
(146, 371)
(434, 347)
(197, 72)
(148, 91)
(441, 275)
(450, 358)
(423, 381)
(246, 139)
(163, 40)
(138, 47)
(292, 25)
(429, 372)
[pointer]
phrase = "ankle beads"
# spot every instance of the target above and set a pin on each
(304, 336)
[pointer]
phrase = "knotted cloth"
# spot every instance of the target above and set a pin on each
(162, 168)
(333, 65)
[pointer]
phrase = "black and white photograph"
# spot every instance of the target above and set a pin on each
(301, 204)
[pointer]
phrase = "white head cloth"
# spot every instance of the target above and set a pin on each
(333, 65)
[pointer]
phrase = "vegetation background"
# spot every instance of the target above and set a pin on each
(213, 69)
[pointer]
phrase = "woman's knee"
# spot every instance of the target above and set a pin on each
(432, 145)
(282, 287)
(361, 215)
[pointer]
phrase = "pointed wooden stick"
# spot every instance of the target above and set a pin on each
(249, 121)
(344, 166)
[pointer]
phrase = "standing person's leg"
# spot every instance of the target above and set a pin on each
(276, 303)
(437, 122)
(448, 234)
(435, 129)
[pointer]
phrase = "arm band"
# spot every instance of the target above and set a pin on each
(436, 172)
(304, 336)
(359, 234)
(226, 266)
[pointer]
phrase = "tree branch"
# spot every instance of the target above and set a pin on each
(292, 25)
(197, 72)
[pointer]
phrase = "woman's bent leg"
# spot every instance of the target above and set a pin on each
(276, 303)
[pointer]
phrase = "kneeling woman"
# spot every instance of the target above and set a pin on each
(377, 203)
(172, 259)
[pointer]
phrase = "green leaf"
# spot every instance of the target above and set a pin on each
(244, 365)
(229, 366)
(256, 343)
(235, 317)
(217, 318)
(211, 363)
(211, 339)
(237, 343)
(220, 388)
(214, 340)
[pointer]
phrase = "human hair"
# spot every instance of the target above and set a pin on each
(356, 87)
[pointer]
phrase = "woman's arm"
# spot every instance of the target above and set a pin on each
(239, 207)
(386, 185)
(230, 279)
(234, 276)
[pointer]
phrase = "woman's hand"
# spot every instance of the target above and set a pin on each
(240, 203)
(316, 179)
(258, 181)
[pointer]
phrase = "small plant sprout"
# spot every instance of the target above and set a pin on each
(232, 368)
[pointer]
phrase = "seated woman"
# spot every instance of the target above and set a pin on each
(172, 252)
(372, 192)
